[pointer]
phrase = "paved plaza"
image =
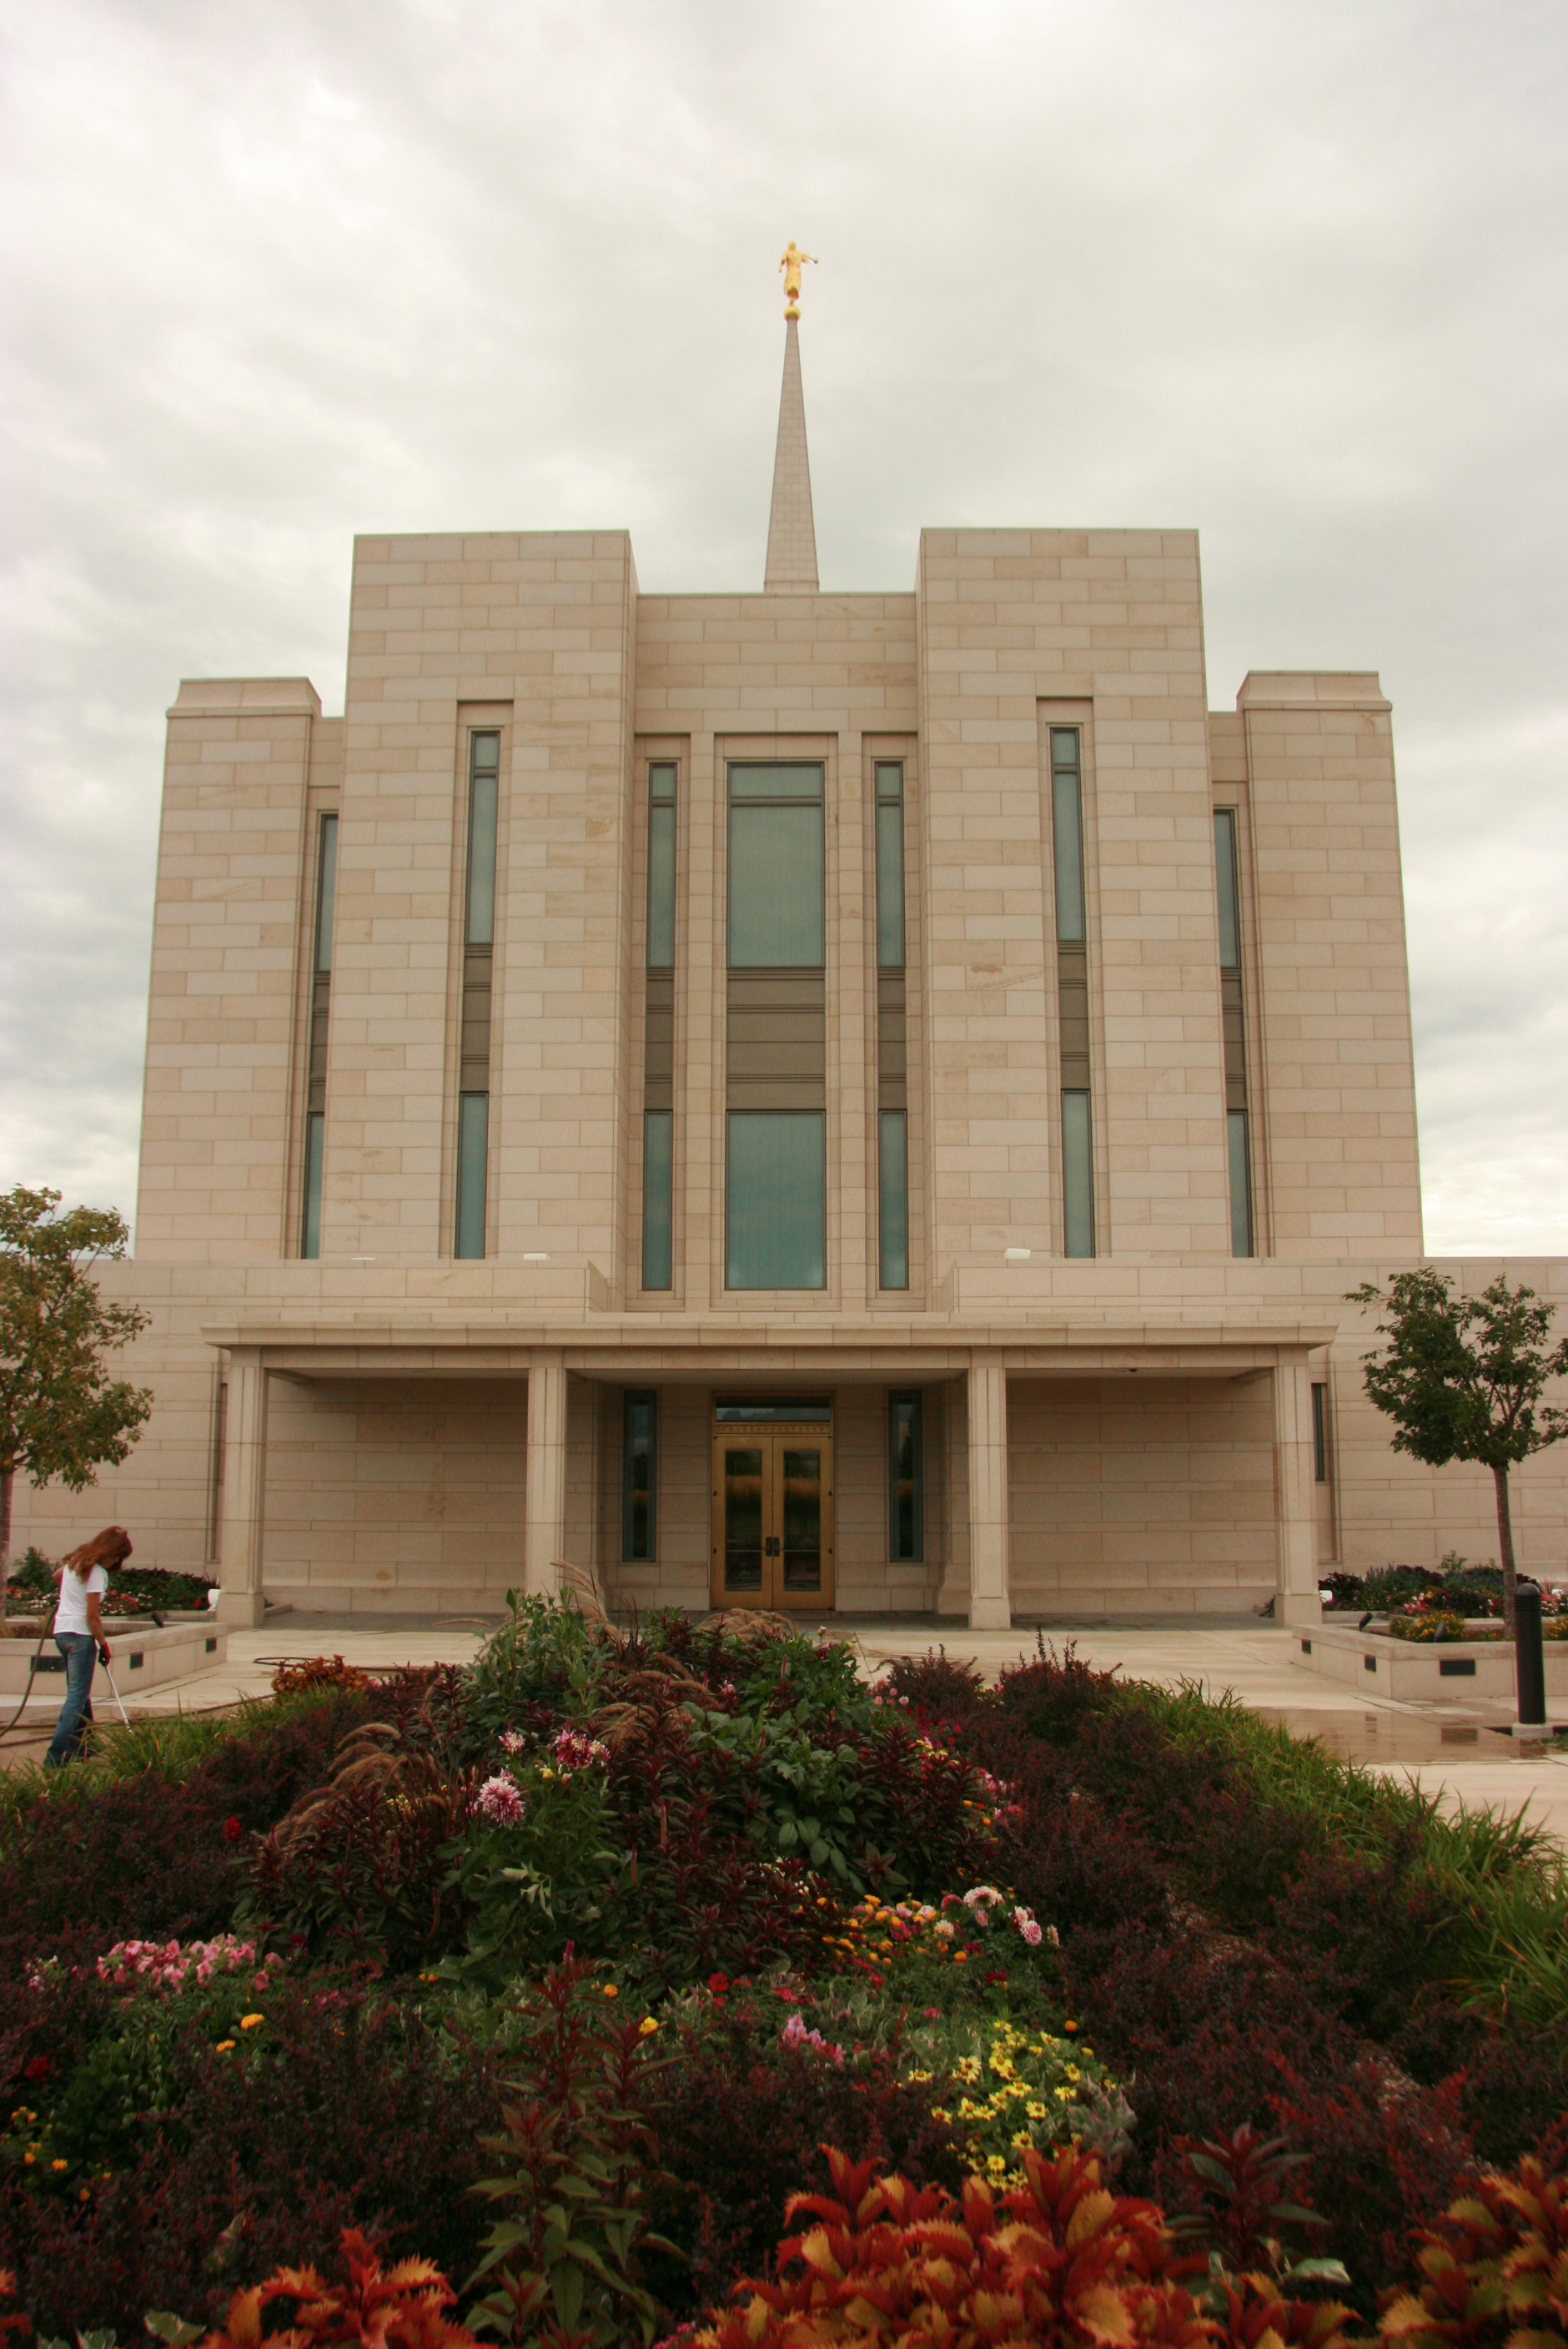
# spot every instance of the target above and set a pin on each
(1458, 1751)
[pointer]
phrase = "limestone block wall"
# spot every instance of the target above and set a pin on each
(395, 1493)
(1141, 1493)
(534, 633)
(1337, 1132)
(1102, 630)
(216, 1117)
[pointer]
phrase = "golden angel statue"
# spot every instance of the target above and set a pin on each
(791, 265)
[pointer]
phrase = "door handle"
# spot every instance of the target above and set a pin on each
(770, 1546)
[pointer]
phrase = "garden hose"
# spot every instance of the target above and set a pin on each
(10, 1727)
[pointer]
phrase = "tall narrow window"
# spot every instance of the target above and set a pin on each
(893, 1059)
(478, 965)
(890, 864)
(1232, 1015)
(1320, 1432)
(659, 1044)
(639, 1477)
(1077, 1174)
(892, 1171)
(906, 1466)
(776, 1041)
(1072, 991)
(320, 1011)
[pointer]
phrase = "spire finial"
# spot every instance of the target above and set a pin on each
(791, 529)
(791, 265)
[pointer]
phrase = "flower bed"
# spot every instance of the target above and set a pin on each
(560, 1973)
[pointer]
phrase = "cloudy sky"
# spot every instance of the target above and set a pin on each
(1293, 274)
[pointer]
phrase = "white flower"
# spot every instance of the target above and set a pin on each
(499, 1799)
(514, 1741)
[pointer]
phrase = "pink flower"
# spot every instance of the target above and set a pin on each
(575, 1750)
(499, 1799)
(514, 1741)
(1028, 1930)
(794, 2035)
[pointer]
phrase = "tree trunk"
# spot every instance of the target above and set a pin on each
(7, 1478)
(1505, 1547)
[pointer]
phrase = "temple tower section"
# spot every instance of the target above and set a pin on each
(530, 638)
(1093, 638)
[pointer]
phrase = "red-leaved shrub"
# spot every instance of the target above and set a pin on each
(1059, 2261)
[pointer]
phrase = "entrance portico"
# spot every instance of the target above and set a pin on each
(1085, 1470)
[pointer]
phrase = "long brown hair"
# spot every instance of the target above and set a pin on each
(109, 1549)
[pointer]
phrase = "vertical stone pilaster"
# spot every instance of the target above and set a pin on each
(990, 1605)
(244, 1492)
(544, 1504)
(1296, 1498)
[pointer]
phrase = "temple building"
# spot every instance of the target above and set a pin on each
(818, 1101)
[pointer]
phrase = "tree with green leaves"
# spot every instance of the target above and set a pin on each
(1462, 1379)
(61, 1414)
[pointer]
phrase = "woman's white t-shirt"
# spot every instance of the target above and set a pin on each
(71, 1615)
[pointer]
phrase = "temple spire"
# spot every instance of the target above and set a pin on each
(791, 529)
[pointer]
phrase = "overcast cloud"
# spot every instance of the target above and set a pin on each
(1294, 275)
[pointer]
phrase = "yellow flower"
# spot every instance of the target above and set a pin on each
(249, 2022)
(938, 2113)
(1072, 2072)
(995, 2161)
(1036, 2110)
(611, 1991)
(647, 2026)
(1020, 2139)
(921, 2079)
(223, 2046)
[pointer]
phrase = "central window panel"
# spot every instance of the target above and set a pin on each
(775, 1059)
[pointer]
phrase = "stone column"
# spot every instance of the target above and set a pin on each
(544, 1504)
(244, 1492)
(990, 1606)
(1296, 1499)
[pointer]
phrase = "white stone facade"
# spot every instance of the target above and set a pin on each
(389, 1427)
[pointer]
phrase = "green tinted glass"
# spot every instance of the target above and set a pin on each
(315, 1150)
(1077, 1174)
(1240, 1157)
(661, 868)
(776, 1208)
(906, 1498)
(473, 1144)
(637, 1494)
(1067, 835)
(325, 892)
(775, 916)
(893, 1171)
(1226, 880)
(658, 1133)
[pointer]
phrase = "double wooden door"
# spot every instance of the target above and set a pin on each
(773, 1514)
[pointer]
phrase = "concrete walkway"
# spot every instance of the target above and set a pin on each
(1451, 1750)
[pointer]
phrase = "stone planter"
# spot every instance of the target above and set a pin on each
(144, 1658)
(1421, 1671)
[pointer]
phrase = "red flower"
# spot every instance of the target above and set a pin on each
(232, 1830)
(38, 2069)
(718, 1985)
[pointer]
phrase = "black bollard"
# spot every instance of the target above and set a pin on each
(1529, 1662)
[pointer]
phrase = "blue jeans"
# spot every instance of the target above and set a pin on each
(80, 1649)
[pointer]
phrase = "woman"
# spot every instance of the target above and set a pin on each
(78, 1635)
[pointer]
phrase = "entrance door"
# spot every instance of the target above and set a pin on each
(773, 1506)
